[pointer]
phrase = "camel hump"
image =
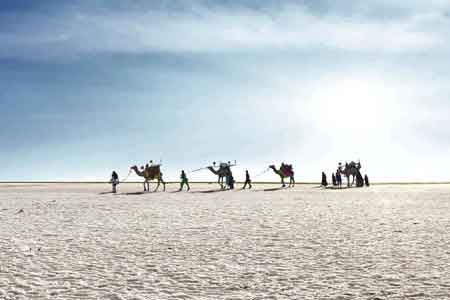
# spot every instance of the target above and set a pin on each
(287, 170)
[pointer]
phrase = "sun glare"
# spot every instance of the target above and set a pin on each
(349, 103)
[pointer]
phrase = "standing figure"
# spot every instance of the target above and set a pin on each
(184, 181)
(247, 180)
(338, 178)
(230, 181)
(114, 181)
(324, 180)
(366, 180)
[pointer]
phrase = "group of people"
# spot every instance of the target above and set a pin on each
(337, 177)
(183, 179)
(230, 181)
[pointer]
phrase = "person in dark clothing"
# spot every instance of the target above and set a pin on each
(333, 179)
(230, 181)
(338, 178)
(184, 181)
(366, 180)
(247, 180)
(114, 181)
(359, 180)
(324, 180)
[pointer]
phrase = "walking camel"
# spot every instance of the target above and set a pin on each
(222, 172)
(285, 171)
(151, 173)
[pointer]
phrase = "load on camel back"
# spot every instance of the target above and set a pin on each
(150, 172)
(285, 171)
(223, 172)
(352, 169)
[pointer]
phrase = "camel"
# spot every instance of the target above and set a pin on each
(285, 171)
(153, 172)
(223, 171)
(351, 169)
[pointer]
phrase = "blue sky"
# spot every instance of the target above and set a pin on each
(92, 86)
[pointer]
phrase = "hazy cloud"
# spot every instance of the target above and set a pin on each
(72, 32)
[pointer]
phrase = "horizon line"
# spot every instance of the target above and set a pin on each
(213, 182)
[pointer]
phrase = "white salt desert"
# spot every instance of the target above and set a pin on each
(71, 241)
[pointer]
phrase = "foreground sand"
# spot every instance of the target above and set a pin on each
(72, 242)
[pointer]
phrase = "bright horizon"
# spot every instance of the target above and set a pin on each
(93, 86)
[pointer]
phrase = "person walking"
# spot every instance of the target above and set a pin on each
(114, 181)
(247, 180)
(183, 181)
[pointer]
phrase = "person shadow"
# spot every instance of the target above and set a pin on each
(105, 193)
(135, 193)
(211, 191)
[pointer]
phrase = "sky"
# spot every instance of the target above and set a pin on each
(91, 86)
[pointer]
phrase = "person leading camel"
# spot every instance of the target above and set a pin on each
(247, 180)
(184, 181)
(114, 181)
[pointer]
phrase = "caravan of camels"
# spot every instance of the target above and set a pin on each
(226, 180)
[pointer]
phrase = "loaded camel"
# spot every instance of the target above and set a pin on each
(285, 171)
(352, 169)
(150, 173)
(222, 172)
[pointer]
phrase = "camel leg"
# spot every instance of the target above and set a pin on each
(353, 180)
(157, 186)
(145, 189)
(282, 182)
(292, 181)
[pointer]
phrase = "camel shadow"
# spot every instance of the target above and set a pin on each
(337, 188)
(210, 191)
(274, 189)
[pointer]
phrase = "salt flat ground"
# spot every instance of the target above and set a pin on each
(70, 241)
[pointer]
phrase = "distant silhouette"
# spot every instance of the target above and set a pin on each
(324, 180)
(184, 181)
(333, 179)
(230, 181)
(366, 180)
(338, 178)
(359, 180)
(114, 181)
(285, 171)
(247, 180)
(351, 169)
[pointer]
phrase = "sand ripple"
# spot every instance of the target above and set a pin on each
(377, 243)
